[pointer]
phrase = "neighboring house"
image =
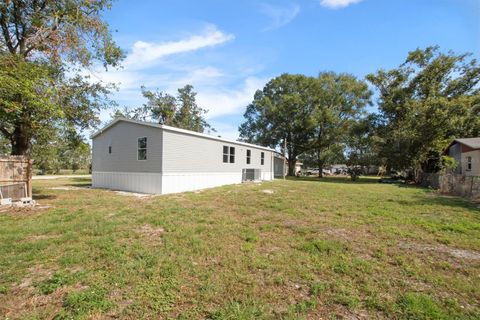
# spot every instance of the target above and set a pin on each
(280, 165)
(298, 166)
(152, 158)
(466, 153)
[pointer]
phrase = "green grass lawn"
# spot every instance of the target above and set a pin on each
(310, 249)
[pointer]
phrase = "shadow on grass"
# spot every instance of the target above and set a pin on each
(37, 194)
(44, 196)
(435, 198)
(80, 182)
(430, 198)
(330, 179)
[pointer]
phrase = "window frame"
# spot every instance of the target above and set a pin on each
(225, 155)
(232, 155)
(469, 164)
(228, 156)
(249, 156)
(109, 149)
(138, 149)
(262, 158)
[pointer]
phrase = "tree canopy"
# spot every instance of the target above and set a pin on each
(42, 46)
(181, 111)
(430, 99)
(311, 114)
(281, 111)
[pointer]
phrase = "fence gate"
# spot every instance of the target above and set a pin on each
(15, 177)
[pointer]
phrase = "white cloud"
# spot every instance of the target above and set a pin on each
(335, 4)
(145, 53)
(279, 15)
(222, 89)
(220, 102)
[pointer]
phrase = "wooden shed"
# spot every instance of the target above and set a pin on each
(15, 177)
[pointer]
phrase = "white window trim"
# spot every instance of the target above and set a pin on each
(146, 149)
(229, 154)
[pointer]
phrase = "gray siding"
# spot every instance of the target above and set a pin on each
(455, 152)
(187, 153)
(123, 138)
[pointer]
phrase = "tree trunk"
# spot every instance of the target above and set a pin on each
(20, 141)
(320, 168)
(291, 167)
(320, 163)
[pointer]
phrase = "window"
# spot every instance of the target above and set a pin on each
(232, 155)
(469, 163)
(109, 149)
(228, 154)
(225, 154)
(262, 158)
(249, 155)
(142, 148)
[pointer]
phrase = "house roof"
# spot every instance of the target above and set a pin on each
(168, 128)
(473, 143)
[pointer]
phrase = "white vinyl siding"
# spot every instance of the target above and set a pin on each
(176, 161)
(123, 140)
(187, 153)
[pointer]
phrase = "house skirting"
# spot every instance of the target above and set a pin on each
(164, 183)
(142, 182)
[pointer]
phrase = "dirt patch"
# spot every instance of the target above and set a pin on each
(461, 254)
(38, 237)
(268, 191)
(65, 188)
(121, 300)
(36, 274)
(24, 211)
(21, 300)
(151, 232)
(134, 194)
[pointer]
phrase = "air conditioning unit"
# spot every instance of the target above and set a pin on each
(251, 174)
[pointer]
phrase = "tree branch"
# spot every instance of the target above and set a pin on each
(5, 132)
(5, 31)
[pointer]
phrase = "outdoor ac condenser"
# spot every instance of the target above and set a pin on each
(251, 174)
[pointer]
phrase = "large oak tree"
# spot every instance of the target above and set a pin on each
(44, 44)
(432, 98)
(282, 111)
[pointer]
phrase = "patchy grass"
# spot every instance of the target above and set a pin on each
(306, 249)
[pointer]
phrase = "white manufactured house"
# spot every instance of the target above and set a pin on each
(152, 158)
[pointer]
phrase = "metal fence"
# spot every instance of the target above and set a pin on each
(15, 177)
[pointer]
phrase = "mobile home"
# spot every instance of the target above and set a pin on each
(151, 158)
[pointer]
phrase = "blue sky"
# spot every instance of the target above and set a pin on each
(229, 49)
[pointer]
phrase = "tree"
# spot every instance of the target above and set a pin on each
(63, 148)
(43, 45)
(339, 101)
(427, 101)
(181, 111)
(162, 106)
(59, 30)
(4, 145)
(361, 146)
(189, 115)
(281, 112)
